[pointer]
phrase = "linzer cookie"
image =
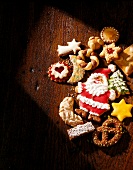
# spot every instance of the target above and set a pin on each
(59, 72)
(67, 114)
(125, 61)
(80, 130)
(109, 35)
(110, 52)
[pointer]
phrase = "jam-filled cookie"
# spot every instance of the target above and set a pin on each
(59, 72)
(109, 35)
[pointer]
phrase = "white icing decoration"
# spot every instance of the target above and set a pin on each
(96, 89)
(56, 73)
(112, 95)
(72, 46)
(80, 130)
(94, 113)
(93, 103)
(112, 67)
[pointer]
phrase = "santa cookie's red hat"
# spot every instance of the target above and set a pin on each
(106, 71)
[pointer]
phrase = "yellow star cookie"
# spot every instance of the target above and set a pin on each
(121, 110)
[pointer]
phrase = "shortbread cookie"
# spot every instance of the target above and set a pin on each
(125, 61)
(80, 130)
(67, 114)
(72, 48)
(110, 52)
(78, 71)
(59, 72)
(109, 35)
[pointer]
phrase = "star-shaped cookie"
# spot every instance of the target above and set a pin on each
(121, 110)
(110, 52)
(71, 48)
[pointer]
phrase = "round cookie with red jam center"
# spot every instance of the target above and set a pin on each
(59, 72)
(109, 35)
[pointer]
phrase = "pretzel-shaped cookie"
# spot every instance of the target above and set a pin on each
(111, 126)
(87, 53)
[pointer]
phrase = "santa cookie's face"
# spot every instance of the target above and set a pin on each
(97, 78)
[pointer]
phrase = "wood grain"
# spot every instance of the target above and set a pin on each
(33, 137)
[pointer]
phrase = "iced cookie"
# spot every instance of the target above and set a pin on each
(117, 83)
(121, 110)
(78, 71)
(80, 130)
(93, 95)
(125, 61)
(67, 114)
(59, 72)
(110, 52)
(71, 48)
(109, 35)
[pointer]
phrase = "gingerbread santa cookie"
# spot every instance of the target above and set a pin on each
(94, 95)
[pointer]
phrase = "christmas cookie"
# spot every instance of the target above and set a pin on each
(80, 130)
(110, 52)
(78, 71)
(121, 110)
(125, 61)
(117, 83)
(93, 95)
(67, 114)
(95, 43)
(71, 48)
(93, 60)
(109, 133)
(109, 35)
(59, 72)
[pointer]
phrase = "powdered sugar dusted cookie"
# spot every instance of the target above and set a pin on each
(67, 114)
(80, 130)
(72, 48)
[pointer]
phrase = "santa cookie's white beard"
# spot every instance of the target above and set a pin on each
(96, 89)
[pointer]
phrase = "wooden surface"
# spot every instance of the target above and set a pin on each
(33, 137)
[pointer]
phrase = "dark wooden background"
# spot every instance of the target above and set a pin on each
(32, 136)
